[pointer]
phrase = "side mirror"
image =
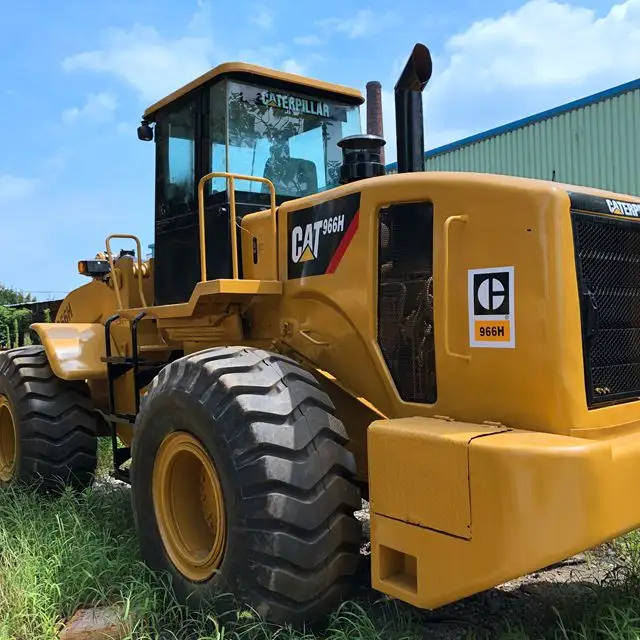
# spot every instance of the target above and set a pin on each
(145, 132)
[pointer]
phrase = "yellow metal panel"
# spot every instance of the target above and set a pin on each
(73, 349)
(92, 302)
(258, 225)
(338, 307)
(539, 384)
(536, 499)
(219, 292)
(426, 457)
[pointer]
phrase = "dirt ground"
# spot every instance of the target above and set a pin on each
(530, 601)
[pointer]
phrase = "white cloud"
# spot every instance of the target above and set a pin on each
(151, 64)
(310, 40)
(57, 162)
(14, 187)
(261, 16)
(98, 108)
(365, 23)
(545, 43)
(538, 56)
(155, 65)
(266, 55)
(292, 66)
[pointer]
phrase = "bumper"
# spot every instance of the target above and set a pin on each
(458, 508)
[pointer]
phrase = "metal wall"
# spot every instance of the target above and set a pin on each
(594, 142)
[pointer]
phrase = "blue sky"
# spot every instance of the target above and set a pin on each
(76, 76)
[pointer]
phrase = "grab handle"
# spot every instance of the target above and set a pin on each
(116, 283)
(448, 222)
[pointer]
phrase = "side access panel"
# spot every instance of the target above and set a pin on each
(419, 472)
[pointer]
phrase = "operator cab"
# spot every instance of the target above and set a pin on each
(240, 119)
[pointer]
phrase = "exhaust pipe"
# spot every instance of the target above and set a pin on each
(409, 118)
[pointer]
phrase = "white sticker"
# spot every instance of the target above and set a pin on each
(491, 308)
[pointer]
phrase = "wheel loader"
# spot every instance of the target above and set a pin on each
(462, 350)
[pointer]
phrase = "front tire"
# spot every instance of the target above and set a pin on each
(48, 426)
(241, 485)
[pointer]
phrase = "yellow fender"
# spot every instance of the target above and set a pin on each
(74, 343)
(73, 349)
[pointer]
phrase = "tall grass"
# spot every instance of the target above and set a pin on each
(80, 550)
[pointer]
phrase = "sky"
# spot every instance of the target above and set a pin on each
(77, 75)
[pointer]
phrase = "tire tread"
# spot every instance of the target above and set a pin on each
(296, 477)
(57, 421)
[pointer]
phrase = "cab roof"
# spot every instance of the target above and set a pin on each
(242, 70)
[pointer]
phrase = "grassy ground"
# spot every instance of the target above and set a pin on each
(79, 551)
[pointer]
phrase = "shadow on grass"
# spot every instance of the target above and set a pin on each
(80, 550)
(594, 596)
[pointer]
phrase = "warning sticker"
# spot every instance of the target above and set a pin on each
(491, 308)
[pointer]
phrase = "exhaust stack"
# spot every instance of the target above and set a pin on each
(409, 118)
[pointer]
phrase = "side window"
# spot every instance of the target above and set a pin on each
(405, 299)
(177, 160)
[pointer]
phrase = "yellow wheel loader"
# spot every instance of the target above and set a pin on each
(462, 350)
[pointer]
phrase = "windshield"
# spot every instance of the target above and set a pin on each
(289, 138)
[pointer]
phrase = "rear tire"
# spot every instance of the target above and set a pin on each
(54, 441)
(291, 541)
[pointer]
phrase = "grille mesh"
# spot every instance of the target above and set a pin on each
(405, 303)
(608, 261)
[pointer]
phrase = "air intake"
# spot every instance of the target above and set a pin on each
(361, 157)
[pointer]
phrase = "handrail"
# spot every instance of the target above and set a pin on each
(231, 178)
(447, 348)
(116, 284)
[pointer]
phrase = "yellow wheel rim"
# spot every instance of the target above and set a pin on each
(189, 506)
(7, 440)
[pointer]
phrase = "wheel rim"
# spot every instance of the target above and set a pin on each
(7, 440)
(189, 506)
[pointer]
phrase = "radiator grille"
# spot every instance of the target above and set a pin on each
(608, 262)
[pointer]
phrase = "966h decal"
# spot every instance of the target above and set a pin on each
(491, 308)
(319, 236)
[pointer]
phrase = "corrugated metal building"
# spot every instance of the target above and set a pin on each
(594, 141)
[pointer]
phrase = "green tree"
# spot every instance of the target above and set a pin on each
(5, 334)
(13, 296)
(14, 323)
